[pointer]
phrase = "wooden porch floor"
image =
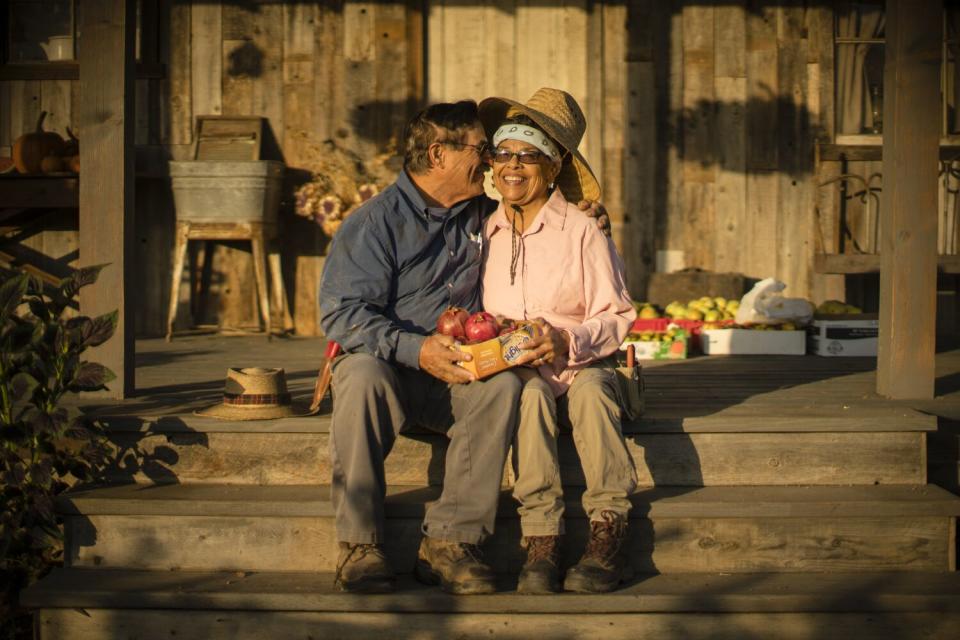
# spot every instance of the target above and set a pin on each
(705, 393)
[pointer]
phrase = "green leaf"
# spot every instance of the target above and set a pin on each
(100, 329)
(92, 376)
(22, 386)
(12, 291)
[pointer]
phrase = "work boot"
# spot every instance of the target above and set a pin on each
(541, 570)
(363, 568)
(457, 567)
(604, 564)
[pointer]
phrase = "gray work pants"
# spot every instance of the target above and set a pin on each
(374, 402)
(591, 408)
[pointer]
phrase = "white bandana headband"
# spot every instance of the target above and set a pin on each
(530, 135)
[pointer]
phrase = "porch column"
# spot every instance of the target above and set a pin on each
(908, 243)
(106, 121)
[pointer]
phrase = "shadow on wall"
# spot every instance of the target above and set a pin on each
(708, 135)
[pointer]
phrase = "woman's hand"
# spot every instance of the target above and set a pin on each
(552, 346)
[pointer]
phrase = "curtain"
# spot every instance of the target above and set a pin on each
(857, 20)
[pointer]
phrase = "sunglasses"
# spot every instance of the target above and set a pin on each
(503, 156)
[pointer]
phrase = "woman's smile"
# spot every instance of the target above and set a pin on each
(523, 183)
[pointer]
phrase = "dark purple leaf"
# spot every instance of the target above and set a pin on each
(12, 291)
(100, 329)
(39, 308)
(71, 285)
(22, 386)
(91, 376)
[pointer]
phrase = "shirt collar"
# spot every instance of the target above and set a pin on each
(553, 213)
(412, 194)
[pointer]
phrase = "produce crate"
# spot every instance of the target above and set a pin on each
(844, 335)
(675, 349)
(753, 342)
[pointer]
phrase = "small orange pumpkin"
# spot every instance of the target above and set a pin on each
(73, 163)
(30, 149)
(51, 164)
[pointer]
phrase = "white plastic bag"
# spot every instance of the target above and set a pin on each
(764, 305)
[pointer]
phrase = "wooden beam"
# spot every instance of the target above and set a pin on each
(908, 243)
(870, 263)
(106, 119)
(865, 152)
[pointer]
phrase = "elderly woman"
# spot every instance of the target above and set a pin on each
(546, 260)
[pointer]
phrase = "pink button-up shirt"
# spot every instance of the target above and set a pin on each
(569, 274)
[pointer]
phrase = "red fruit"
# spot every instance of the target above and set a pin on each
(481, 326)
(451, 322)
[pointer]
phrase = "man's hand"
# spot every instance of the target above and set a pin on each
(439, 359)
(553, 345)
(595, 209)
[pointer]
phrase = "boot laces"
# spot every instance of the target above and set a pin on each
(606, 536)
(360, 551)
(469, 551)
(541, 548)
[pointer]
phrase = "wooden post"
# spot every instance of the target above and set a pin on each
(908, 247)
(106, 123)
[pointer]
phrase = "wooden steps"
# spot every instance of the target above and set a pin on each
(682, 459)
(785, 500)
(102, 604)
(673, 529)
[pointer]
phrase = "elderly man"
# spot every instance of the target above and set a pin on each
(394, 266)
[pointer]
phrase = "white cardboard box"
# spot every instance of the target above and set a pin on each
(753, 342)
(847, 336)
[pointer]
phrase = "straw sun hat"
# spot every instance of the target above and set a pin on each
(560, 117)
(255, 394)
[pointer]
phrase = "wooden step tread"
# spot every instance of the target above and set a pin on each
(408, 501)
(812, 417)
(304, 591)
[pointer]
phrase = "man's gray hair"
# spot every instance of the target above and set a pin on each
(441, 122)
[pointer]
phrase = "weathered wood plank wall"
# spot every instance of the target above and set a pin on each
(704, 130)
(702, 118)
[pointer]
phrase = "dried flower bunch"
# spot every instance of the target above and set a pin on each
(341, 182)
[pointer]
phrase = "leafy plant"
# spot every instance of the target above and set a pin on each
(45, 447)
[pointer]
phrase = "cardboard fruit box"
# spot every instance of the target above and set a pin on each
(844, 335)
(498, 354)
(675, 348)
(753, 342)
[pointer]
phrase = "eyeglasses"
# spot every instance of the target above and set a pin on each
(483, 149)
(531, 156)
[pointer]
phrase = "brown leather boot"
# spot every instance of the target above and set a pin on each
(604, 564)
(363, 568)
(541, 570)
(457, 567)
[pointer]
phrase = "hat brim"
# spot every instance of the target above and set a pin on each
(251, 412)
(576, 179)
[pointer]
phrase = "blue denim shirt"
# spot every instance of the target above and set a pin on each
(395, 265)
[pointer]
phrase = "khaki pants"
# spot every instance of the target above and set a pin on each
(374, 402)
(591, 408)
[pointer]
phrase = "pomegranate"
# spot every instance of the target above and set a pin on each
(481, 326)
(451, 322)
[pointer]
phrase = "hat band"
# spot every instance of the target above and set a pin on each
(256, 398)
(530, 135)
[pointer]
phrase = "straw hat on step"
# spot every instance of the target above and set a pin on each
(255, 394)
(560, 117)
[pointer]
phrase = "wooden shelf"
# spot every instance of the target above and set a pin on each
(867, 152)
(68, 71)
(47, 191)
(870, 263)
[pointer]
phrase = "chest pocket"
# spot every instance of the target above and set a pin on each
(553, 282)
